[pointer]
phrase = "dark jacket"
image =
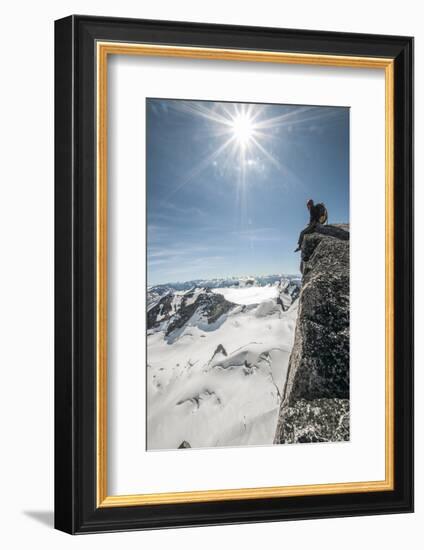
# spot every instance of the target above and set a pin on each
(314, 215)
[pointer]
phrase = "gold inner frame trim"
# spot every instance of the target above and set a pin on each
(104, 49)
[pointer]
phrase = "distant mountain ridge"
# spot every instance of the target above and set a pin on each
(219, 282)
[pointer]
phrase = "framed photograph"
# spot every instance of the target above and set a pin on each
(234, 274)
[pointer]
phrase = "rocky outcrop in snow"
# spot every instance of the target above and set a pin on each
(172, 311)
(208, 305)
(315, 405)
(289, 290)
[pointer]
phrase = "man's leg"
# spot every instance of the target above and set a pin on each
(308, 229)
(300, 240)
(301, 236)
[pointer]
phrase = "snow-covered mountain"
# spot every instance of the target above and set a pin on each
(217, 360)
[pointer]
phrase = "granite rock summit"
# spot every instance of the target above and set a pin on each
(315, 404)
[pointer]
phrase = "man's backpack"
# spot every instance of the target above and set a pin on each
(322, 213)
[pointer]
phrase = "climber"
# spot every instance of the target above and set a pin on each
(317, 215)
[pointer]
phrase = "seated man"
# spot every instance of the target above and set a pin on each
(317, 215)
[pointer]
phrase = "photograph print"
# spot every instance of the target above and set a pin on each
(247, 274)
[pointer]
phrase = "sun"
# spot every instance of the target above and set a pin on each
(243, 129)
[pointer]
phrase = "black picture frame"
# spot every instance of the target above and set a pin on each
(76, 509)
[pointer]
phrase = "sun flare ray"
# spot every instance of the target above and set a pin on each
(198, 169)
(247, 135)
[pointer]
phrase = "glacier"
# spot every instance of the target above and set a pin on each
(217, 359)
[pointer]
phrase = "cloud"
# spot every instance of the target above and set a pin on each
(190, 269)
(173, 252)
(170, 212)
(260, 234)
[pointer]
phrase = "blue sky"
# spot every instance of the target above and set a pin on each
(227, 184)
